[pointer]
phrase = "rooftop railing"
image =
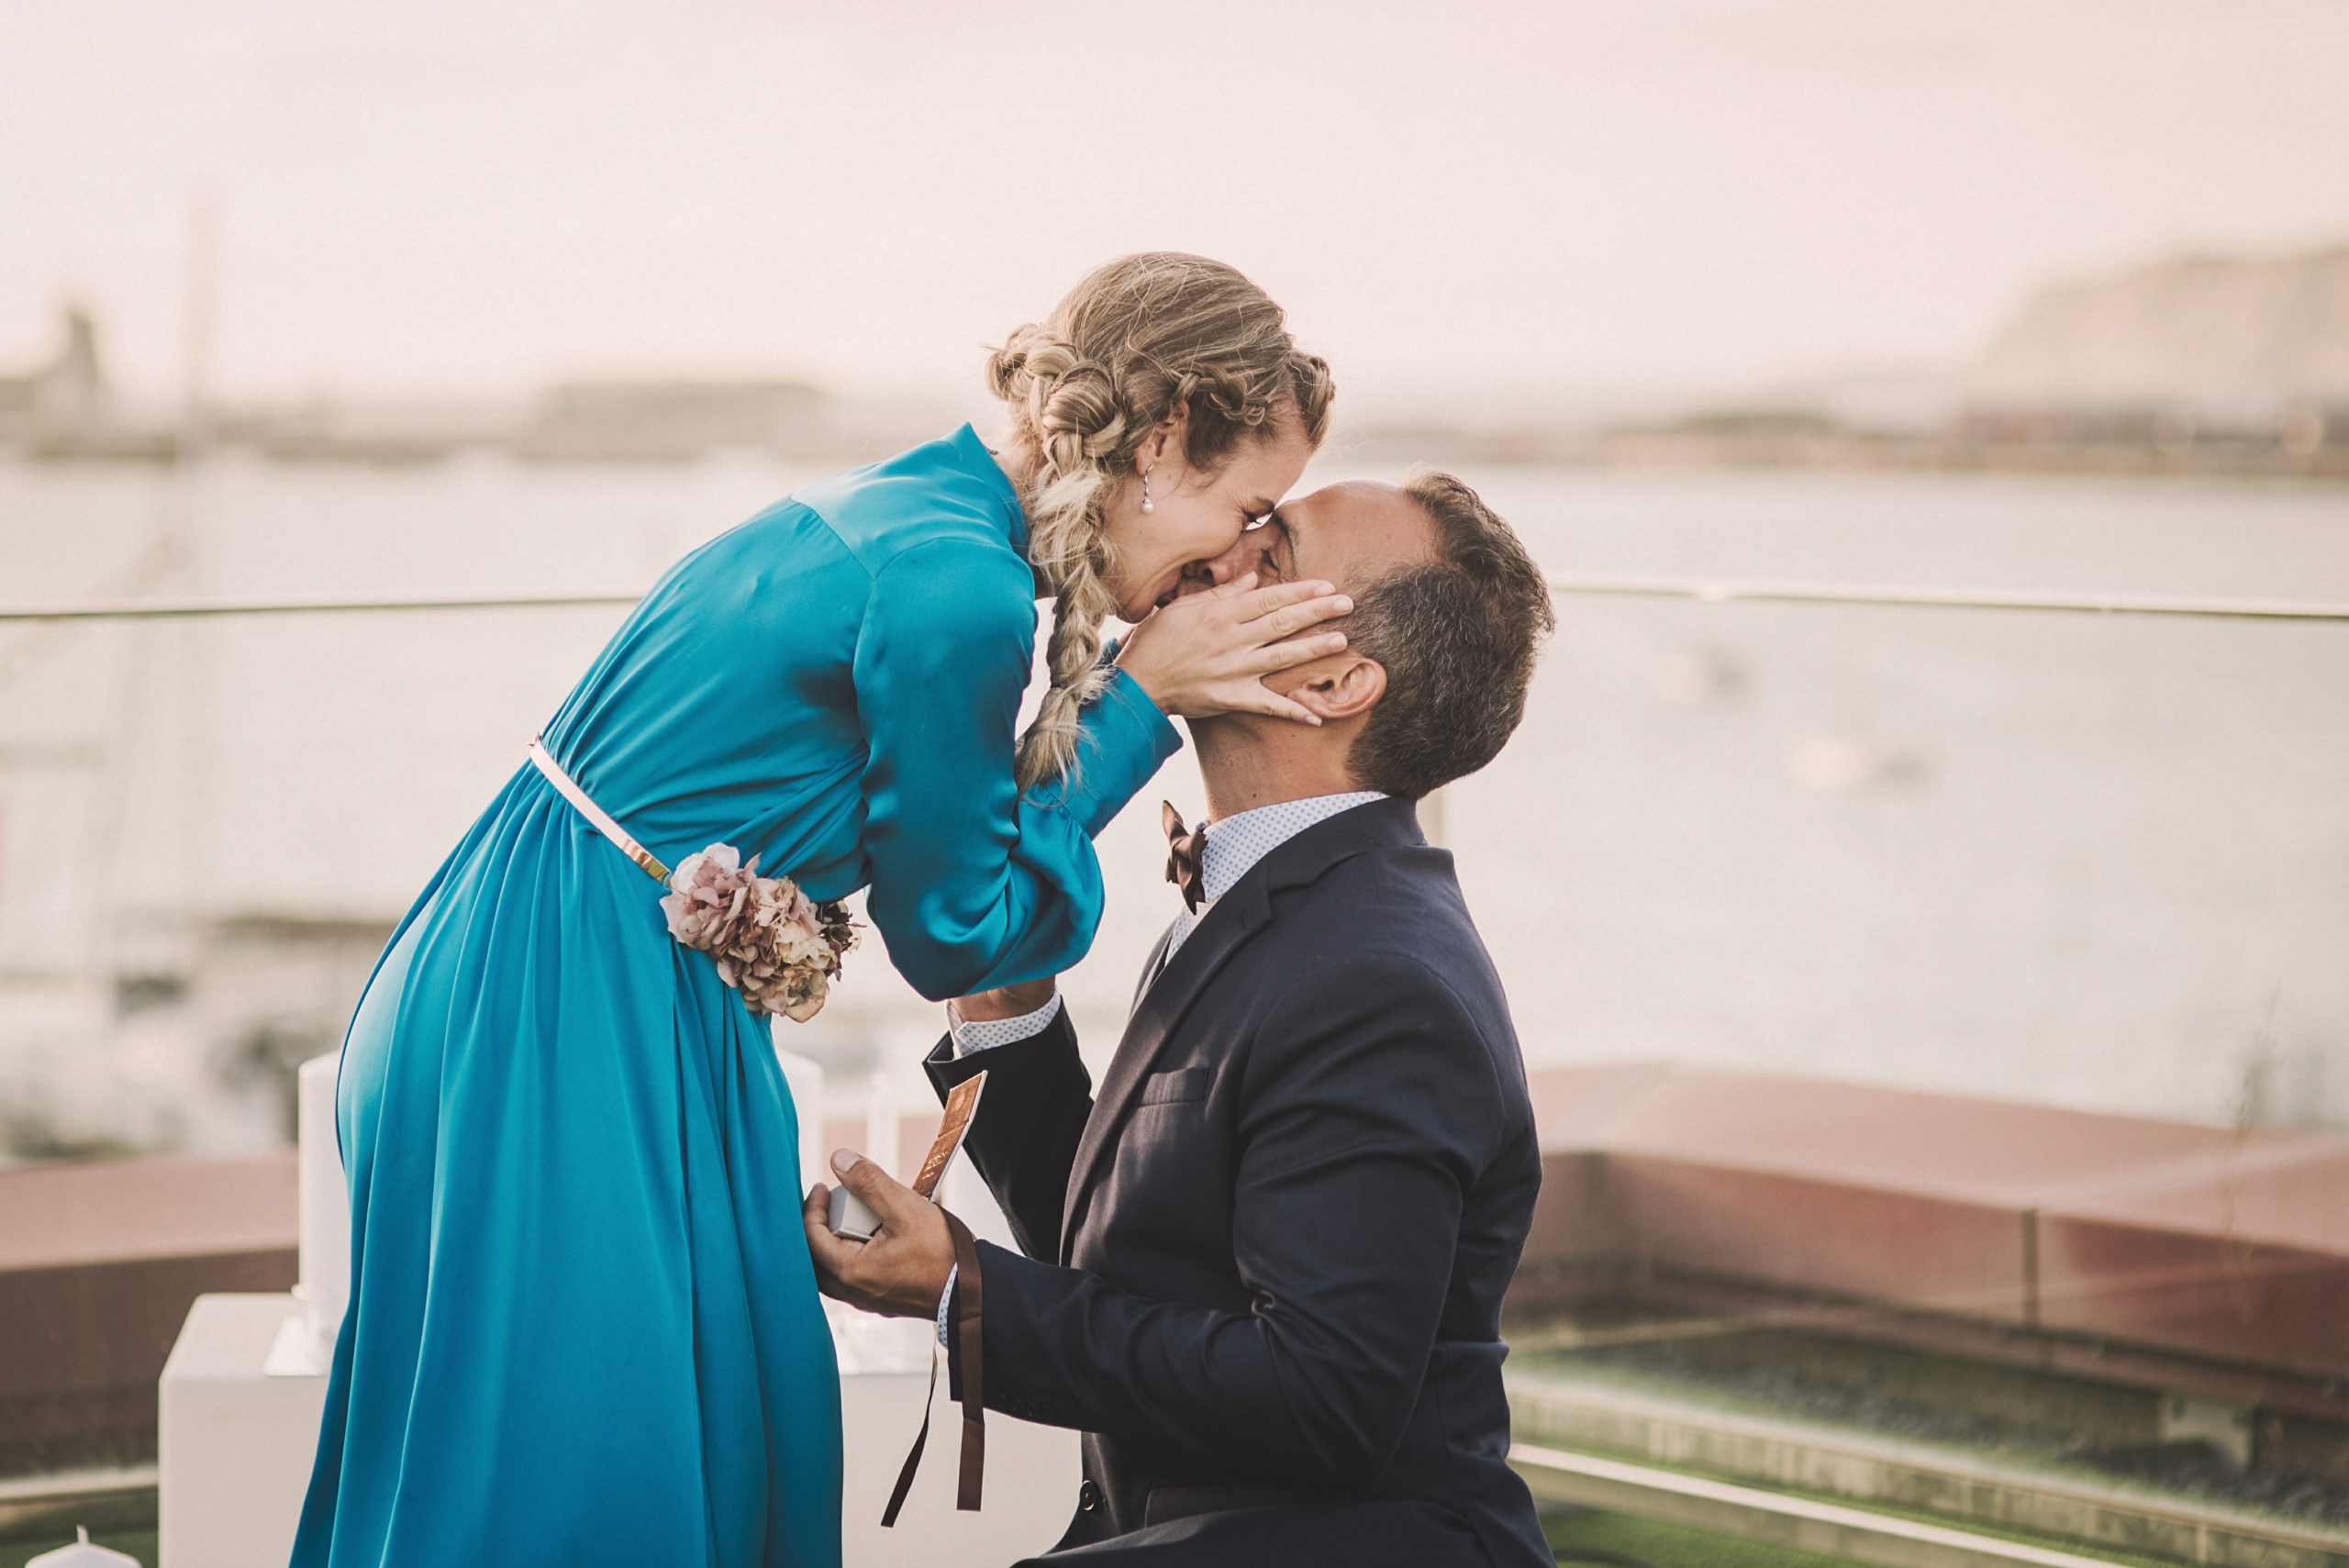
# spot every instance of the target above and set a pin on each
(1705, 589)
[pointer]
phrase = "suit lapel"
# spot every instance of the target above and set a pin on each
(1236, 917)
(1150, 969)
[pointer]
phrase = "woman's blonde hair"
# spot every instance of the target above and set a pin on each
(1138, 338)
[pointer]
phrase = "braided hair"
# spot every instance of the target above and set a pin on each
(1139, 337)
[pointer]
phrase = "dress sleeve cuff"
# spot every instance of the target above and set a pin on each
(1125, 739)
(987, 1033)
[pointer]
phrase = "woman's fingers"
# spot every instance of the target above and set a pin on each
(1257, 603)
(1247, 696)
(1294, 618)
(1203, 654)
(1288, 655)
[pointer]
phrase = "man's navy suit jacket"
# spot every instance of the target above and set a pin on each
(1265, 1265)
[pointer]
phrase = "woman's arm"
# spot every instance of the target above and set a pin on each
(974, 886)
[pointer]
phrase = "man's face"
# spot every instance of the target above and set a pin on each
(1350, 534)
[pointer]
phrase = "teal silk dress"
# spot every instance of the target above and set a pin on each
(583, 1327)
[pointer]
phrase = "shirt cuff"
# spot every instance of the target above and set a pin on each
(987, 1033)
(946, 1301)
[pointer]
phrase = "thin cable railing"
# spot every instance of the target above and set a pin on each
(187, 609)
(1703, 590)
(1732, 590)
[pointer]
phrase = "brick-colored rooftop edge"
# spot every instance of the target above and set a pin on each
(2211, 1242)
(99, 1211)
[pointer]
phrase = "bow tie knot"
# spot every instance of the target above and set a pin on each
(1184, 866)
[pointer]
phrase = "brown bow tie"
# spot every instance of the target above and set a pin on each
(1183, 849)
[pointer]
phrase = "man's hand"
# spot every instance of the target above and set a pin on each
(902, 1271)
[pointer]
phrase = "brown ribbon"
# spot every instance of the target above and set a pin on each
(967, 1286)
(1183, 850)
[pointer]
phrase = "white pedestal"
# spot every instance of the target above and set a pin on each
(245, 1387)
(235, 1445)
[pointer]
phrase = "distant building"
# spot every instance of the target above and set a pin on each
(2196, 346)
(61, 401)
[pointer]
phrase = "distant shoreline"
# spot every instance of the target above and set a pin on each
(1844, 450)
(1665, 449)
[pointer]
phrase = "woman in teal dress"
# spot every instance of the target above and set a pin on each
(582, 1327)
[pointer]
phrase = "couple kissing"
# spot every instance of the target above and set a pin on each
(1261, 1268)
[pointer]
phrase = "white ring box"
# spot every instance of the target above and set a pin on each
(851, 1220)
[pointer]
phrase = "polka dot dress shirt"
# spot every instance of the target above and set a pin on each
(1235, 844)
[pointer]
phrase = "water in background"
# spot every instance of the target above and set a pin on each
(2099, 862)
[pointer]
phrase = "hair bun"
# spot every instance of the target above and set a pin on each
(1081, 399)
(1029, 359)
(1048, 358)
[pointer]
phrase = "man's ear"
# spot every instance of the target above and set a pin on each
(1343, 685)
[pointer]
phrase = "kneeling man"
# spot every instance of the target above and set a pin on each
(1261, 1270)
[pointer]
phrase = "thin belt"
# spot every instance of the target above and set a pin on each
(597, 815)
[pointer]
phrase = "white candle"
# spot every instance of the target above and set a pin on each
(326, 1203)
(805, 1078)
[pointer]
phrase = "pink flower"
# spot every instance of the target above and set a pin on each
(768, 939)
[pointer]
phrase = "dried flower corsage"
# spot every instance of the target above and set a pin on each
(770, 940)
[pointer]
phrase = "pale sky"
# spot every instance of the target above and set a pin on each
(448, 195)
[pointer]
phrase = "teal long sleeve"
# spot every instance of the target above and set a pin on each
(975, 885)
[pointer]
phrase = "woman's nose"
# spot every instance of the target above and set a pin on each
(1201, 575)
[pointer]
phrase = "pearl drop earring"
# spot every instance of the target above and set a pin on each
(1148, 505)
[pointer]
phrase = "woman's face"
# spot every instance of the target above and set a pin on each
(1195, 515)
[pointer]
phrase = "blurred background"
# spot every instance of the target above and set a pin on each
(1822, 920)
(443, 301)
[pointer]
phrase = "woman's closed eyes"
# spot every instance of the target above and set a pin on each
(1269, 544)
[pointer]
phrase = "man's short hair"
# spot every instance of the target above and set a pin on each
(1457, 637)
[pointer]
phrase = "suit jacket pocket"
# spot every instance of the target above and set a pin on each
(1173, 1088)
